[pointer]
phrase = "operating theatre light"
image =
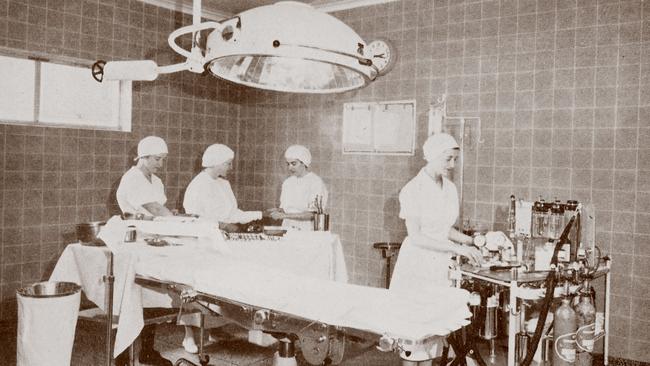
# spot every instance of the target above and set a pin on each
(288, 46)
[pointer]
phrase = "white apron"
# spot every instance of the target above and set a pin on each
(437, 209)
(417, 267)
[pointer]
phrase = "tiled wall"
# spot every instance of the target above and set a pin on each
(53, 178)
(562, 88)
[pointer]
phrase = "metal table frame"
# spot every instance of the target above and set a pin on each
(517, 291)
(319, 341)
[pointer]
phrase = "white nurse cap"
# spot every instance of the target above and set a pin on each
(437, 144)
(216, 154)
(298, 152)
(151, 145)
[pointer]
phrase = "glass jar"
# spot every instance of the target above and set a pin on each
(555, 221)
(538, 227)
(570, 211)
(570, 208)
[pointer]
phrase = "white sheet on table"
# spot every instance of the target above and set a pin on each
(314, 254)
(86, 266)
(208, 235)
(421, 315)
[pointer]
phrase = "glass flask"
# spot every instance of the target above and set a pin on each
(539, 219)
(555, 220)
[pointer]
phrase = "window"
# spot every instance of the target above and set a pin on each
(44, 93)
(17, 91)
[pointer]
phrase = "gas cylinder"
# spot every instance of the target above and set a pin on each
(565, 324)
(586, 321)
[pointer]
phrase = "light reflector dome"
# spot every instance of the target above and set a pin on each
(289, 47)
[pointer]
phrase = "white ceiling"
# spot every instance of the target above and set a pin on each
(222, 9)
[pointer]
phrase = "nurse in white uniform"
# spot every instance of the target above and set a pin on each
(210, 196)
(300, 191)
(429, 205)
(142, 192)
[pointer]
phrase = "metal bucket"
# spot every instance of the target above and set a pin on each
(47, 318)
(49, 289)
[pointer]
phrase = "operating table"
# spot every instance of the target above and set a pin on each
(319, 316)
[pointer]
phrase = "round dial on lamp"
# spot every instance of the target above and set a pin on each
(383, 55)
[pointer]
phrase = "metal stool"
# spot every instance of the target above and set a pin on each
(388, 250)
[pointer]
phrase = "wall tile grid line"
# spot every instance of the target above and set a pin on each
(562, 94)
(53, 178)
(561, 88)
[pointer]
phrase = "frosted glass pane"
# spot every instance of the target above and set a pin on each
(71, 96)
(16, 89)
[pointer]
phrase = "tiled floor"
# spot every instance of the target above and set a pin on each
(230, 349)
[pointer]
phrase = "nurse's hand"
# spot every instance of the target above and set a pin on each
(472, 253)
(229, 228)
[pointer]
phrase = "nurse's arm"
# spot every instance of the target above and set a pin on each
(414, 230)
(303, 216)
(457, 236)
(157, 209)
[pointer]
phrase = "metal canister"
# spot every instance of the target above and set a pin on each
(547, 348)
(521, 346)
(489, 330)
(565, 325)
(129, 237)
(586, 315)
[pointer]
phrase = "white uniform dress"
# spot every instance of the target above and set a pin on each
(213, 199)
(437, 210)
(298, 195)
(135, 190)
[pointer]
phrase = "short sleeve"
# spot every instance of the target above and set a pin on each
(409, 202)
(191, 199)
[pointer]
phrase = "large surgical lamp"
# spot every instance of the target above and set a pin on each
(288, 46)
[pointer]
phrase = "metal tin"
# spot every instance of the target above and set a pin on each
(129, 237)
(321, 222)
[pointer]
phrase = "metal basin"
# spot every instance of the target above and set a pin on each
(87, 233)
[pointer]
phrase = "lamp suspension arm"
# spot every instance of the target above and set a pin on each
(186, 30)
(196, 12)
(169, 69)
